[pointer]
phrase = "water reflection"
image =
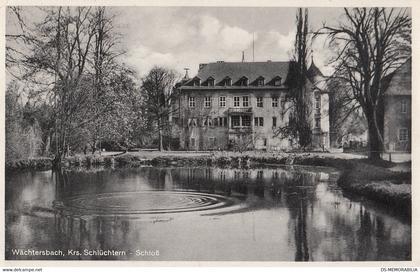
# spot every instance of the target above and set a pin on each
(281, 214)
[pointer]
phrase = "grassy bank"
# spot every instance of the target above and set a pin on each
(36, 164)
(373, 180)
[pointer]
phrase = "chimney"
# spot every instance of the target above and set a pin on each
(243, 56)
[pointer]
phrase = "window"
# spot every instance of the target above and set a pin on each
(222, 101)
(275, 102)
(282, 104)
(236, 121)
(274, 121)
(215, 122)
(265, 141)
(228, 81)
(196, 82)
(207, 102)
(259, 121)
(192, 122)
(243, 82)
(191, 102)
(260, 82)
(317, 102)
(403, 106)
(260, 102)
(192, 142)
(277, 82)
(403, 134)
(245, 101)
(260, 174)
(246, 121)
(317, 123)
(236, 102)
(223, 121)
(210, 82)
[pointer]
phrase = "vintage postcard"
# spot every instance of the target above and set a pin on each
(210, 133)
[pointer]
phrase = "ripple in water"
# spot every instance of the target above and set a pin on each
(144, 202)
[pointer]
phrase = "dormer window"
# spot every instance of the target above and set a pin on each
(196, 81)
(243, 81)
(210, 81)
(260, 81)
(228, 81)
(277, 81)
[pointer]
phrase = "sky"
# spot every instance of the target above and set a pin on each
(183, 37)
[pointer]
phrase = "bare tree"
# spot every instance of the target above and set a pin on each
(159, 97)
(63, 56)
(370, 44)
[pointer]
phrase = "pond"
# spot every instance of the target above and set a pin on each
(196, 214)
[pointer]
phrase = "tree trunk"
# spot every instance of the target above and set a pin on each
(47, 146)
(374, 142)
(160, 140)
(375, 120)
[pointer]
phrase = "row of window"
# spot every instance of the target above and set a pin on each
(245, 121)
(210, 122)
(236, 102)
(227, 81)
(236, 121)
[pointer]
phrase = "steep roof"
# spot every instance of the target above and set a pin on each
(313, 71)
(237, 70)
(399, 82)
(316, 77)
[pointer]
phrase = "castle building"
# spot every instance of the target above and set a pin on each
(243, 105)
(397, 113)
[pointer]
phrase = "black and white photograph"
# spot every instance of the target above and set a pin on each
(208, 133)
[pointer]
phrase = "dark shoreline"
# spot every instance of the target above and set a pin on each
(360, 177)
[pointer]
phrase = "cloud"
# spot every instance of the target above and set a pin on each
(209, 27)
(235, 38)
(143, 59)
(177, 42)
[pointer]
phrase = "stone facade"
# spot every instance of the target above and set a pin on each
(242, 105)
(397, 115)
